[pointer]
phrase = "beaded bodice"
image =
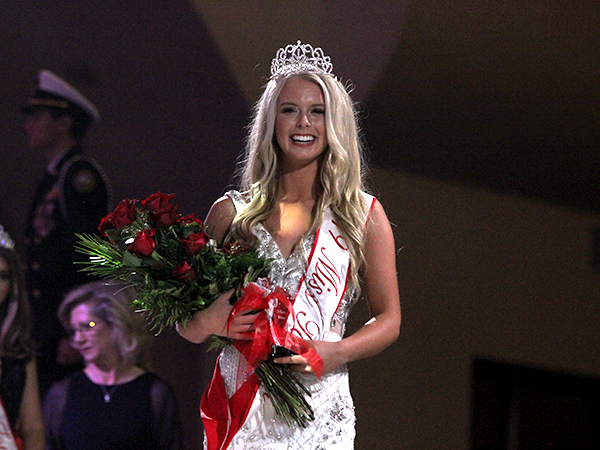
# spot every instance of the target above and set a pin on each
(287, 273)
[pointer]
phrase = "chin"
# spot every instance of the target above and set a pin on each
(89, 357)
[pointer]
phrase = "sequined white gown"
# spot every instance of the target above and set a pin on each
(333, 427)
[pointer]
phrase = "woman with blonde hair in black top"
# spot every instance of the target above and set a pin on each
(115, 402)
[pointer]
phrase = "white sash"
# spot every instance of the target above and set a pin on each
(323, 285)
(7, 440)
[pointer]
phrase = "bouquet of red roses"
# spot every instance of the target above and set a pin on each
(177, 270)
(168, 258)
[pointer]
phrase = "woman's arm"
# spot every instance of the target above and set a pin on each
(213, 320)
(167, 423)
(381, 290)
(53, 409)
(30, 413)
(219, 218)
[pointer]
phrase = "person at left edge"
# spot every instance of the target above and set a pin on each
(71, 197)
(21, 423)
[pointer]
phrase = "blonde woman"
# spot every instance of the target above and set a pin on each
(114, 402)
(302, 201)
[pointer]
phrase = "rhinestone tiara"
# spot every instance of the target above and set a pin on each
(295, 58)
(5, 239)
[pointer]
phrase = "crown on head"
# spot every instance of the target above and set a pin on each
(5, 239)
(295, 58)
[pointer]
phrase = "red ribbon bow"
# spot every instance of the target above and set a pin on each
(275, 306)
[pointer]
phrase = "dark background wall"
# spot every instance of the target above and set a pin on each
(481, 121)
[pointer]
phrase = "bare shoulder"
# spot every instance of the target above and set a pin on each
(219, 218)
(377, 217)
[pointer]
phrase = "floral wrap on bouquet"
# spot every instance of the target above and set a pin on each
(177, 270)
(270, 334)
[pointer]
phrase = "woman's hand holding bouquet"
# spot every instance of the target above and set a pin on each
(214, 321)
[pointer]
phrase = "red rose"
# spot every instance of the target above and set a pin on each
(144, 244)
(124, 214)
(160, 209)
(183, 272)
(107, 223)
(185, 220)
(166, 218)
(194, 243)
(158, 203)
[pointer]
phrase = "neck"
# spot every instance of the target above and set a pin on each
(59, 148)
(114, 374)
(297, 185)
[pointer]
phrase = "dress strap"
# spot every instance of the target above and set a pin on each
(238, 199)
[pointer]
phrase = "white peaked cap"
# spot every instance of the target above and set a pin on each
(52, 84)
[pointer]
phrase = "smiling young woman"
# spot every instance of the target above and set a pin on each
(302, 202)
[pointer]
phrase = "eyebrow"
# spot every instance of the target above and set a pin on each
(296, 104)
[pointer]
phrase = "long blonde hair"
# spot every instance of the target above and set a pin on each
(340, 178)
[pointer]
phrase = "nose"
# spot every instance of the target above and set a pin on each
(77, 337)
(303, 121)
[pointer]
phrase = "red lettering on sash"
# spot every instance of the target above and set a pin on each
(325, 275)
(339, 239)
(303, 328)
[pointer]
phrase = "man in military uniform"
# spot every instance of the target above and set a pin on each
(71, 197)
